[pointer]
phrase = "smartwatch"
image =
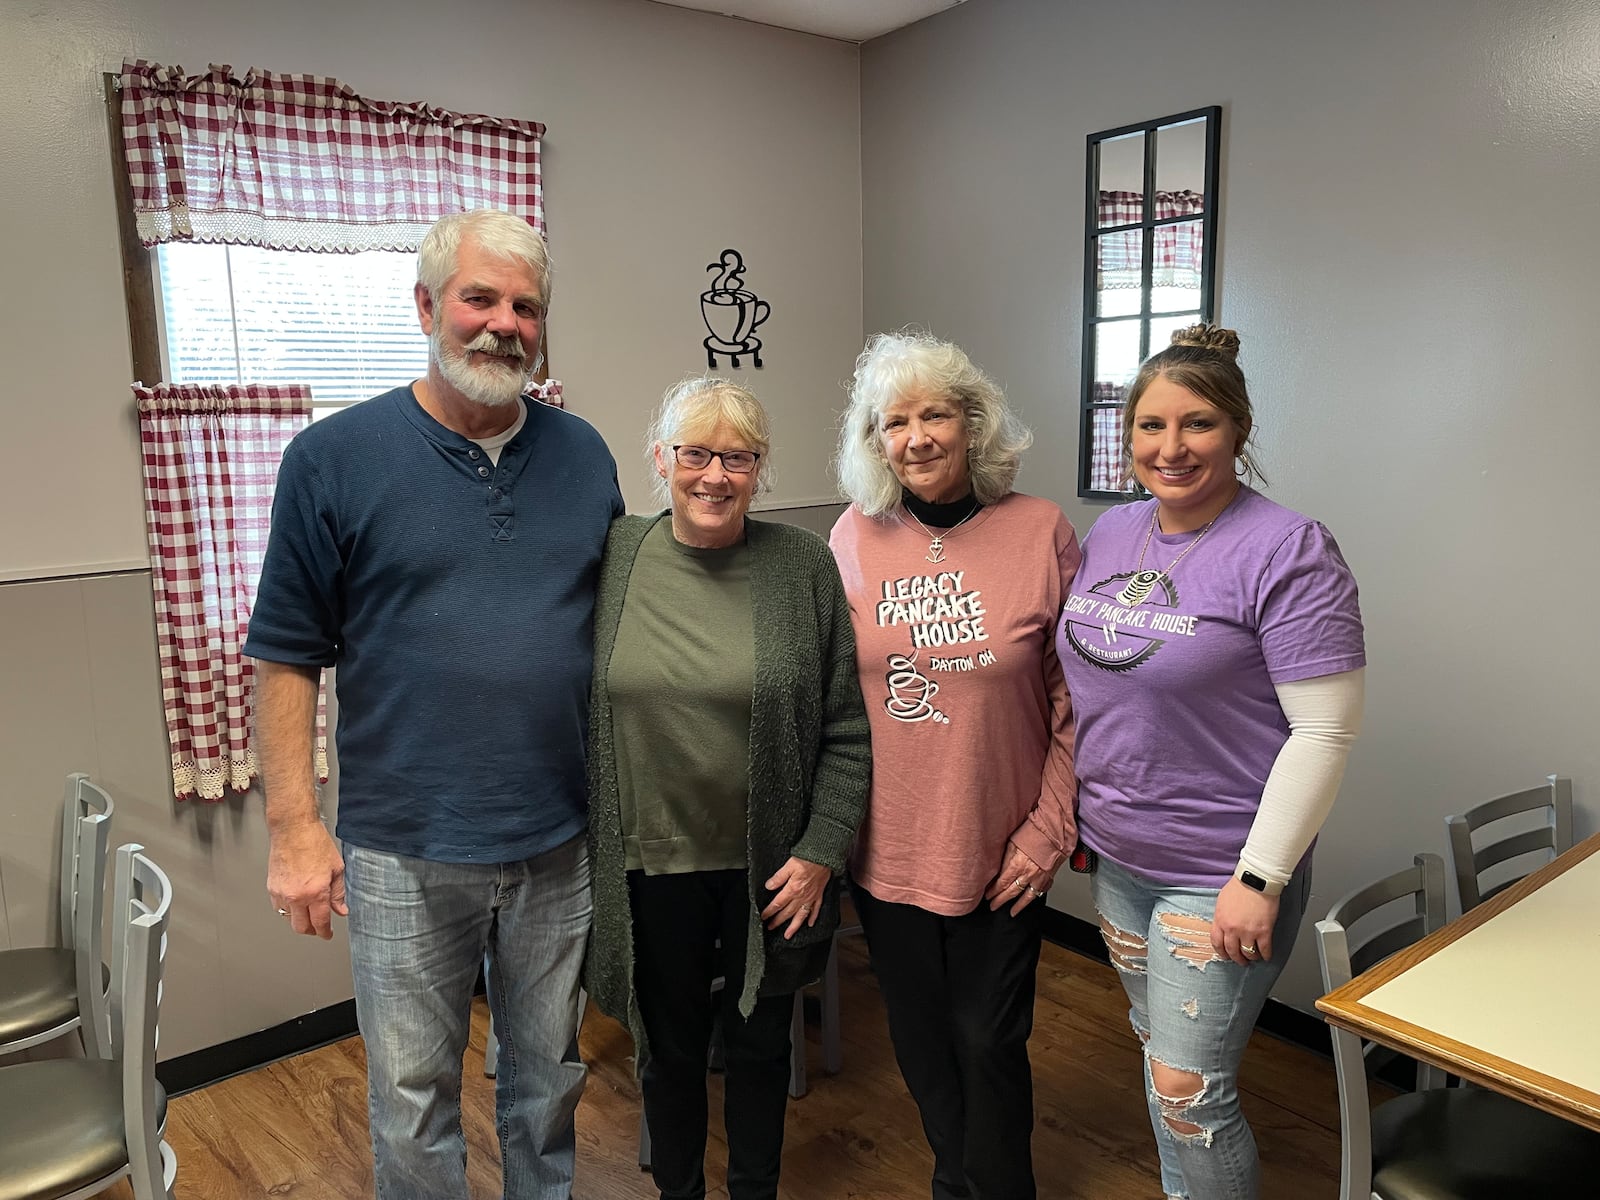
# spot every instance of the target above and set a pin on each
(1255, 882)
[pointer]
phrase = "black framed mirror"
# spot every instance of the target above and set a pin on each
(1149, 256)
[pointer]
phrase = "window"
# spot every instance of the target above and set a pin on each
(1149, 259)
(226, 182)
(344, 324)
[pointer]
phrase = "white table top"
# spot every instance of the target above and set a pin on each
(1524, 986)
(1505, 995)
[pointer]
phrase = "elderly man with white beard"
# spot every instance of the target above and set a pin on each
(439, 545)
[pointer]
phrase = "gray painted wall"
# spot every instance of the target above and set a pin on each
(1408, 251)
(672, 134)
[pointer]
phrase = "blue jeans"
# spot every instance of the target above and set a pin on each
(1194, 1011)
(418, 931)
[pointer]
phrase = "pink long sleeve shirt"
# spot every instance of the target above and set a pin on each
(971, 723)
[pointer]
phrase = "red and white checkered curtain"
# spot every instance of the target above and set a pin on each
(211, 457)
(301, 162)
(1105, 439)
(1176, 258)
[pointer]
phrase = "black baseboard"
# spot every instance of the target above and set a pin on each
(338, 1021)
(1279, 1019)
(188, 1072)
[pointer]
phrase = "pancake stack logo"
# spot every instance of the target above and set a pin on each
(1115, 625)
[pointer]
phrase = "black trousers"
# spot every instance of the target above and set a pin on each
(959, 991)
(678, 921)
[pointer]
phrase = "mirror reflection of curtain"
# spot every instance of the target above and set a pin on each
(1175, 263)
(1176, 256)
(1105, 432)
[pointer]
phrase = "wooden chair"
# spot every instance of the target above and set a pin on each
(1437, 1142)
(47, 992)
(1471, 861)
(70, 1128)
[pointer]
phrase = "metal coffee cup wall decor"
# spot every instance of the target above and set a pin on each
(732, 313)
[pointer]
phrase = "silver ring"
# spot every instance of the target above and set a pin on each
(283, 912)
(1249, 951)
(1036, 893)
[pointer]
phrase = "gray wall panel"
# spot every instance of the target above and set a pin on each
(47, 731)
(1407, 249)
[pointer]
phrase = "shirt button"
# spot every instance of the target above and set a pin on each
(483, 471)
(497, 493)
(474, 455)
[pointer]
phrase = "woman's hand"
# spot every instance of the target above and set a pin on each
(1020, 880)
(799, 886)
(1242, 927)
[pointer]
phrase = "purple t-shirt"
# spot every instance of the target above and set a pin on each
(1172, 680)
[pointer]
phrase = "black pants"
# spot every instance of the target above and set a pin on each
(959, 991)
(677, 923)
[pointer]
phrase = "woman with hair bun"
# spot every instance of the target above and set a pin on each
(1214, 648)
(954, 582)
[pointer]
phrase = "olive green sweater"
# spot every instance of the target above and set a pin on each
(810, 759)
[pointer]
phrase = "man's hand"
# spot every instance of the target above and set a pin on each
(305, 877)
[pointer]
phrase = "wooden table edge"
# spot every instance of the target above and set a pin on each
(1344, 1007)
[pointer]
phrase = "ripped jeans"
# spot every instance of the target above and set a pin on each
(1194, 1012)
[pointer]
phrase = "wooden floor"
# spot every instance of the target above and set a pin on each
(299, 1128)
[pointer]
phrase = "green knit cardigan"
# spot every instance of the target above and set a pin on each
(810, 759)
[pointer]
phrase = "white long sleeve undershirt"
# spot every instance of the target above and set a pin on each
(1324, 717)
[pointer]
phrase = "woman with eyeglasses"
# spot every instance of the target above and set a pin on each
(954, 582)
(729, 765)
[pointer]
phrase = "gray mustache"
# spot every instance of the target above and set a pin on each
(489, 343)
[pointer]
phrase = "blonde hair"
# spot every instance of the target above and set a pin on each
(893, 365)
(695, 406)
(1204, 359)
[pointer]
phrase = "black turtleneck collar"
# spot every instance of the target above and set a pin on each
(940, 516)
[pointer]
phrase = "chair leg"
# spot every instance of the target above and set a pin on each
(491, 1047)
(797, 1046)
(832, 1052)
(644, 1140)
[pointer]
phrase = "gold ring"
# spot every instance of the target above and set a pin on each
(1249, 950)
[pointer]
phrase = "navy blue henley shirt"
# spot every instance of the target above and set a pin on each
(455, 596)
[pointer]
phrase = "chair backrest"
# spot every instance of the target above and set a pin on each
(142, 903)
(1550, 838)
(1344, 957)
(86, 813)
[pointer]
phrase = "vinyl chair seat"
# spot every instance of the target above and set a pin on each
(41, 991)
(1471, 1144)
(61, 1126)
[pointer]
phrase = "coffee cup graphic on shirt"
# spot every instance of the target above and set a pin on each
(911, 692)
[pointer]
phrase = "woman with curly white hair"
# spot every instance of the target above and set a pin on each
(955, 582)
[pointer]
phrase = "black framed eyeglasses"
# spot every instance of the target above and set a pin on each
(735, 462)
